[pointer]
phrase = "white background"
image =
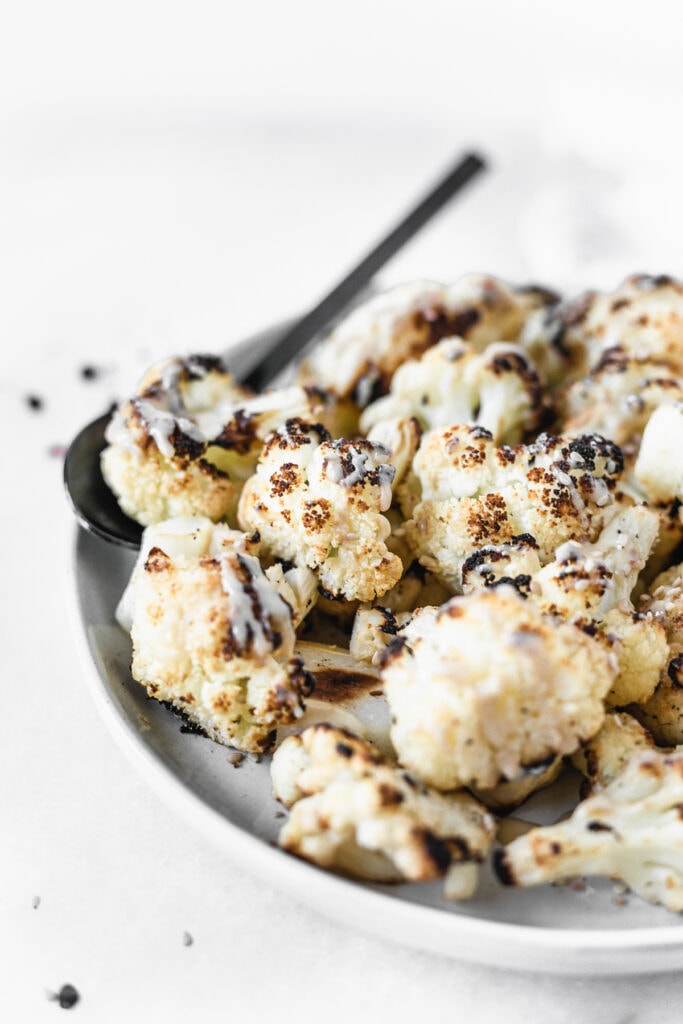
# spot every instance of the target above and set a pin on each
(174, 176)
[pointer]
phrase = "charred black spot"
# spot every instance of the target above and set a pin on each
(389, 625)
(188, 726)
(344, 750)
(186, 447)
(437, 850)
(675, 672)
(392, 650)
(481, 433)
(239, 434)
(521, 583)
(501, 867)
(599, 826)
(479, 558)
(525, 538)
(286, 566)
(460, 845)
(297, 432)
(592, 446)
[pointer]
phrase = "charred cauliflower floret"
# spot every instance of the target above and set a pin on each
(184, 444)
(488, 686)
(587, 580)
(453, 383)
(474, 494)
(515, 564)
(212, 635)
(617, 399)
(353, 811)
(318, 503)
(632, 830)
(591, 585)
(606, 754)
(360, 356)
(662, 714)
(643, 318)
(374, 629)
(401, 436)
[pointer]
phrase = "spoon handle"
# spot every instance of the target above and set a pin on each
(338, 298)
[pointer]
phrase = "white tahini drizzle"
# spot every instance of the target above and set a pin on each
(162, 424)
(258, 612)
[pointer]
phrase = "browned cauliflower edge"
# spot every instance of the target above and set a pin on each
(319, 503)
(632, 829)
(353, 811)
(212, 635)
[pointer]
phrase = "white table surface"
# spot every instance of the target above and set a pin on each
(166, 187)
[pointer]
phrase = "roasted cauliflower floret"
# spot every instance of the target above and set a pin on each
(587, 580)
(632, 830)
(617, 399)
(515, 564)
(212, 635)
(643, 318)
(642, 652)
(662, 714)
(318, 503)
(474, 494)
(374, 629)
(591, 585)
(606, 754)
(360, 356)
(488, 686)
(353, 811)
(453, 383)
(665, 602)
(401, 437)
(184, 444)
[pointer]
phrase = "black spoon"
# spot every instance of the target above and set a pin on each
(95, 506)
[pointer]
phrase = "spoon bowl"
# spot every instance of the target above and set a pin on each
(94, 505)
